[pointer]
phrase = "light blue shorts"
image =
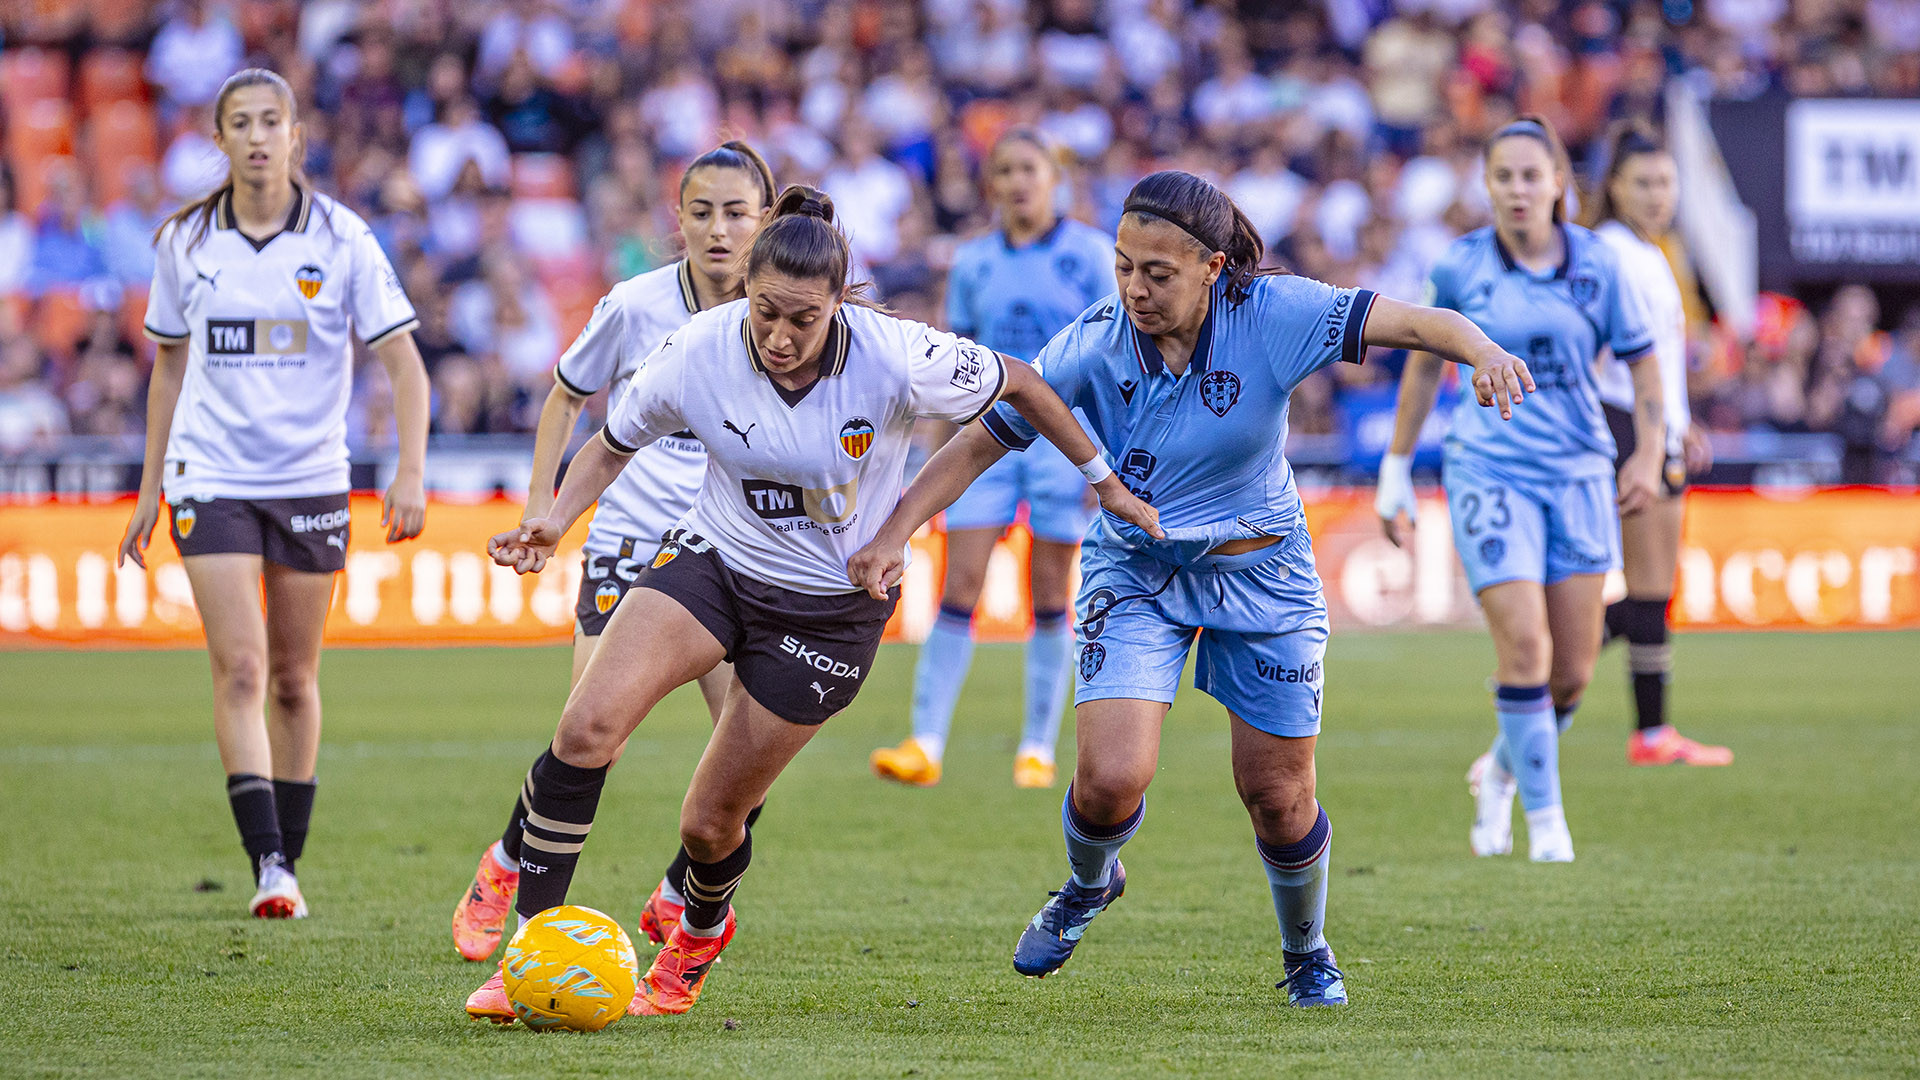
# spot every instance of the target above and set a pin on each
(1060, 505)
(1260, 617)
(1528, 530)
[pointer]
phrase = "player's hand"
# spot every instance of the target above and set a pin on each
(1393, 496)
(1698, 450)
(139, 534)
(1640, 481)
(1501, 379)
(878, 566)
(1128, 507)
(527, 546)
(404, 510)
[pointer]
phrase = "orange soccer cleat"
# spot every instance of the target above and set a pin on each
(660, 916)
(480, 918)
(907, 763)
(1665, 746)
(1032, 771)
(490, 1001)
(673, 983)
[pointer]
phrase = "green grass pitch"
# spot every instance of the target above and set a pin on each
(1754, 921)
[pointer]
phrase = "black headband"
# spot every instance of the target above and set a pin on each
(1529, 128)
(1132, 207)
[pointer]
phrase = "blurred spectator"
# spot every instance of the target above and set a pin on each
(31, 417)
(533, 117)
(67, 237)
(503, 315)
(193, 54)
(127, 232)
(870, 194)
(529, 27)
(192, 165)
(106, 393)
(441, 150)
(16, 239)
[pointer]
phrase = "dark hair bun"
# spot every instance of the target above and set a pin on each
(806, 201)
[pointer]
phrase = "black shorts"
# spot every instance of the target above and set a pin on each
(605, 579)
(307, 534)
(1673, 472)
(801, 656)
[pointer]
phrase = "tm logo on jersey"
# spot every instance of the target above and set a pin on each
(818, 661)
(254, 337)
(1219, 390)
(771, 501)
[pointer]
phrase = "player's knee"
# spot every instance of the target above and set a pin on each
(589, 735)
(1567, 688)
(963, 587)
(1110, 794)
(1282, 808)
(240, 676)
(1526, 658)
(708, 834)
(293, 686)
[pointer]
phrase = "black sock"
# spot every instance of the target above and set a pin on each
(1649, 657)
(1614, 627)
(252, 800)
(561, 802)
(677, 869)
(293, 804)
(517, 821)
(710, 886)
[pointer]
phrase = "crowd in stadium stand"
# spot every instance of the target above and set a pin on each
(516, 156)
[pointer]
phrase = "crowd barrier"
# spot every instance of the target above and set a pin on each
(1846, 558)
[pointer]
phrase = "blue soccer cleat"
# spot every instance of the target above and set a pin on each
(1048, 940)
(1313, 980)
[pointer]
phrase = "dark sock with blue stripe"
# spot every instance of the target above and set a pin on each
(1092, 847)
(1297, 873)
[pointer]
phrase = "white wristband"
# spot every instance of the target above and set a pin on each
(1096, 470)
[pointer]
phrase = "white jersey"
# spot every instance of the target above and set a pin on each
(1644, 266)
(657, 487)
(797, 482)
(263, 408)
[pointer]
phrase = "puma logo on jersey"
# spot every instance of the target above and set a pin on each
(212, 282)
(821, 690)
(338, 540)
(728, 424)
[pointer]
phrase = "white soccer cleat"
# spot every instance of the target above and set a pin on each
(278, 896)
(1492, 788)
(1547, 837)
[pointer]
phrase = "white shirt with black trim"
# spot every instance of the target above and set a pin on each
(657, 487)
(263, 408)
(1645, 265)
(797, 482)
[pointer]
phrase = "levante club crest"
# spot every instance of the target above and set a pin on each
(1219, 390)
(856, 437)
(309, 278)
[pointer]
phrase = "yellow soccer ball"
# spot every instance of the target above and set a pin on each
(571, 968)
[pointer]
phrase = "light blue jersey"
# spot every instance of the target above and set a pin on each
(1012, 300)
(1204, 448)
(1532, 499)
(1557, 321)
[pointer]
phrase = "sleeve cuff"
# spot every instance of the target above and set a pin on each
(615, 445)
(1002, 431)
(1353, 346)
(1635, 355)
(164, 339)
(569, 385)
(999, 387)
(406, 325)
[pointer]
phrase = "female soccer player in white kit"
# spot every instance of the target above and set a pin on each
(258, 290)
(804, 401)
(725, 195)
(1633, 214)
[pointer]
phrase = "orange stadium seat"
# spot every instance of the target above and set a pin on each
(59, 321)
(121, 135)
(110, 76)
(120, 21)
(39, 133)
(542, 176)
(32, 74)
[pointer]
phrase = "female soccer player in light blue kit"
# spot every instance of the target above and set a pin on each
(1185, 376)
(1535, 516)
(1010, 290)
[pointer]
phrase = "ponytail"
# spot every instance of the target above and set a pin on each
(737, 155)
(200, 211)
(800, 240)
(1205, 213)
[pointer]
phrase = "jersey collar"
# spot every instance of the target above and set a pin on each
(1038, 243)
(1148, 354)
(297, 215)
(687, 295)
(1559, 272)
(833, 358)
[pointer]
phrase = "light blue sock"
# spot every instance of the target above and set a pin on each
(1298, 875)
(1499, 752)
(938, 675)
(1533, 743)
(1049, 652)
(1093, 848)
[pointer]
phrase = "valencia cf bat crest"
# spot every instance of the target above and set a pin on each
(605, 597)
(309, 278)
(856, 437)
(183, 519)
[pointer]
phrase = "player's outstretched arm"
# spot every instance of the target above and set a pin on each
(1037, 403)
(877, 566)
(1499, 378)
(1393, 496)
(557, 417)
(404, 511)
(163, 393)
(527, 546)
